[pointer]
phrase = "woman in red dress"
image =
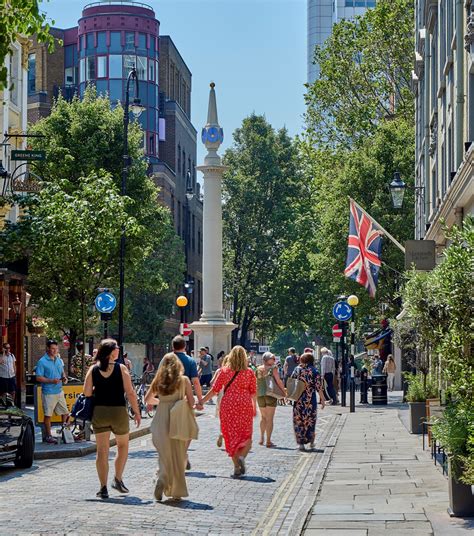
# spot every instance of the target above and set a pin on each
(238, 406)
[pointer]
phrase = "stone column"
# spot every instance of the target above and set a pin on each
(212, 329)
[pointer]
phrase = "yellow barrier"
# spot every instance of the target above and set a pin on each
(71, 392)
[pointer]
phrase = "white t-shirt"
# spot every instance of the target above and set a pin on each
(7, 365)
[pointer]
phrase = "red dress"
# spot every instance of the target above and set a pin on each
(236, 409)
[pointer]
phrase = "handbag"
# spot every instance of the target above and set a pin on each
(272, 386)
(295, 388)
(83, 408)
(183, 425)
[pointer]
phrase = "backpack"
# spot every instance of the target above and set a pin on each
(83, 408)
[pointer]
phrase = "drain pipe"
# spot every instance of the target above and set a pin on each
(459, 82)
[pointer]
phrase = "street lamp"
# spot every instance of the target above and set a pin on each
(181, 302)
(353, 301)
(137, 109)
(16, 306)
(397, 189)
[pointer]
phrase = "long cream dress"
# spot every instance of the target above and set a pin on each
(171, 452)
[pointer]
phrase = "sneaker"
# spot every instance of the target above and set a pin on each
(188, 466)
(219, 441)
(237, 473)
(51, 440)
(102, 493)
(158, 490)
(119, 485)
(302, 448)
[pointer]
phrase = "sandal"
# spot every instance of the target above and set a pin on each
(270, 445)
(260, 442)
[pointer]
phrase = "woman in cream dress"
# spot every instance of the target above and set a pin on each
(169, 385)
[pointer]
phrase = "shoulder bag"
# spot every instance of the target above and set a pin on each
(295, 388)
(183, 425)
(272, 386)
(83, 408)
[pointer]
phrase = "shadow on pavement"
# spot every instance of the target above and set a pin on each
(127, 500)
(197, 474)
(142, 454)
(8, 472)
(258, 479)
(187, 505)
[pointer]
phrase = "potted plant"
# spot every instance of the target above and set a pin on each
(454, 430)
(420, 389)
(36, 325)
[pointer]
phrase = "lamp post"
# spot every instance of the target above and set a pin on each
(137, 109)
(353, 301)
(181, 302)
(397, 190)
(188, 281)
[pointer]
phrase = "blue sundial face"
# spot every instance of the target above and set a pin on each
(213, 134)
(203, 135)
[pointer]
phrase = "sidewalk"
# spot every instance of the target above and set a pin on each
(379, 481)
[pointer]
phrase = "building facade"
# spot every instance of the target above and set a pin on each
(321, 16)
(444, 91)
(110, 39)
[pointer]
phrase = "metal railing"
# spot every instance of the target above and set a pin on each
(118, 3)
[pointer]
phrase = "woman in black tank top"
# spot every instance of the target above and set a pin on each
(108, 382)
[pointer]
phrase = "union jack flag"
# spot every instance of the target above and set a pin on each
(364, 249)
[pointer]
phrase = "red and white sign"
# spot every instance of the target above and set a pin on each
(185, 330)
(66, 342)
(336, 331)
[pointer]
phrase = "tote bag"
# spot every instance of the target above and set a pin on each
(295, 388)
(183, 425)
(272, 386)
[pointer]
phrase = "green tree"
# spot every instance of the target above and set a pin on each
(20, 18)
(365, 75)
(84, 138)
(262, 192)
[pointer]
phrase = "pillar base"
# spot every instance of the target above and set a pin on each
(214, 334)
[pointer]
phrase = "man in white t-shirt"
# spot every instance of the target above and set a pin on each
(7, 372)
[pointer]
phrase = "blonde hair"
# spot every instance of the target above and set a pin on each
(169, 375)
(237, 359)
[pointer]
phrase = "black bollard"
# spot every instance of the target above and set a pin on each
(363, 386)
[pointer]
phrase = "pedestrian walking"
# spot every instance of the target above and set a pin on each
(377, 366)
(205, 364)
(389, 369)
(109, 382)
(7, 372)
(266, 403)
(169, 386)
(238, 406)
(291, 362)
(328, 371)
(220, 358)
(305, 409)
(50, 374)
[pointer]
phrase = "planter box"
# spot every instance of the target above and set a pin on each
(35, 330)
(461, 497)
(417, 416)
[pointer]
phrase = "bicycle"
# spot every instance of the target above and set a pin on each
(140, 390)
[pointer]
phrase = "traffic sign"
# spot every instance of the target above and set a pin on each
(185, 330)
(30, 156)
(105, 302)
(336, 339)
(66, 342)
(342, 311)
(263, 349)
(336, 331)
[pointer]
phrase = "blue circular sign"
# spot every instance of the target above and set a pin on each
(105, 302)
(342, 311)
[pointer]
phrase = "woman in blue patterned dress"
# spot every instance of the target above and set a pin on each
(305, 409)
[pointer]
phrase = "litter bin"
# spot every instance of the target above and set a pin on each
(379, 390)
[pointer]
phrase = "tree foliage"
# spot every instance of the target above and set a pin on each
(365, 75)
(83, 141)
(263, 197)
(20, 18)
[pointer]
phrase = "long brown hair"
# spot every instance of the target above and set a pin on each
(237, 359)
(106, 347)
(169, 375)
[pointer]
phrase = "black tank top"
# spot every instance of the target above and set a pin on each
(108, 391)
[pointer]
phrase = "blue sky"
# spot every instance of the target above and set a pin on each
(254, 50)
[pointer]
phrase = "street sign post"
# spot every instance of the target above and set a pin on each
(342, 311)
(185, 330)
(27, 155)
(105, 302)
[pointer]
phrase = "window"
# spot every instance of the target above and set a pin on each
(90, 44)
(69, 56)
(142, 43)
(151, 70)
(101, 86)
(115, 66)
(31, 73)
(91, 75)
(151, 144)
(141, 67)
(70, 76)
(101, 42)
(82, 70)
(128, 64)
(115, 43)
(115, 90)
(152, 46)
(199, 242)
(101, 66)
(179, 158)
(129, 40)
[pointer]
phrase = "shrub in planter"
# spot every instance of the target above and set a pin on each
(420, 388)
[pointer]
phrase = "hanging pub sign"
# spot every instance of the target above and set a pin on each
(420, 254)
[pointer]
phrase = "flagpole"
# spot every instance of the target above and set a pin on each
(385, 232)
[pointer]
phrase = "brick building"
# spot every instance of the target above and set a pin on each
(111, 37)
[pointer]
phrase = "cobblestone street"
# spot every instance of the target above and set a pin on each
(58, 496)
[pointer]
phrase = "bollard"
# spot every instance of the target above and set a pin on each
(352, 393)
(363, 386)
